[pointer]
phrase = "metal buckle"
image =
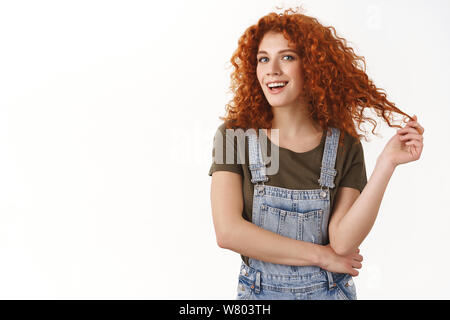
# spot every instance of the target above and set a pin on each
(260, 187)
(323, 193)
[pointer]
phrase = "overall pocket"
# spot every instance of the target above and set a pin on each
(244, 291)
(346, 288)
(305, 226)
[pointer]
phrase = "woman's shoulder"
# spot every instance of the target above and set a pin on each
(349, 139)
(352, 148)
(226, 125)
(350, 144)
(230, 131)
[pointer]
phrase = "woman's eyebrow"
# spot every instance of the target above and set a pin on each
(281, 51)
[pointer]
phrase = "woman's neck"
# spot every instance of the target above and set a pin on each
(294, 122)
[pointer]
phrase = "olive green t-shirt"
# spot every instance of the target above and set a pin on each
(297, 170)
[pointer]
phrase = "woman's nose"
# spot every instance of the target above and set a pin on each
(274, 68)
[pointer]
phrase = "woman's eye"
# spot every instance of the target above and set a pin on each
(261, 59)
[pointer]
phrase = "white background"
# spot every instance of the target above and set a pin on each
(108, 111)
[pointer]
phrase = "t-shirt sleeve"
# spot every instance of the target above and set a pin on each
(354, 171)
(220, 162)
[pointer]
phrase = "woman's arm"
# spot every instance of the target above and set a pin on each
(237, 234)
(353, 215)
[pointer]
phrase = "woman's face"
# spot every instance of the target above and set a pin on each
(277, 62)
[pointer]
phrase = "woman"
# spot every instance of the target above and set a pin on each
(298, 229)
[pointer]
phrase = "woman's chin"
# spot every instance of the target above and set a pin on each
(277, 104)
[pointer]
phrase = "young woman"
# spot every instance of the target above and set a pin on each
(299, 229)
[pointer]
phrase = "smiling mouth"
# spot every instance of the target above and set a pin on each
(279, 87)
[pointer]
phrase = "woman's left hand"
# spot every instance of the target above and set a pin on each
(406, 145)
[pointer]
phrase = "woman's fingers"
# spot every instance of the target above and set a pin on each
(353, 272)
(408, 130)
(415, 148)
(411, 136)
(415, 125)
(413, 140)
(356, 261)
(414, 143)
(357, 257)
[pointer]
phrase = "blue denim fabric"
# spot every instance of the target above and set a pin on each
(297, 214)
(322, 285)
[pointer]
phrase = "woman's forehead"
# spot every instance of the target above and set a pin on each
(274, 41)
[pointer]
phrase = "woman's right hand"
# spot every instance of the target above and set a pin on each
(341, 264)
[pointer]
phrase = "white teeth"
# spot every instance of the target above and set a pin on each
(276, 84)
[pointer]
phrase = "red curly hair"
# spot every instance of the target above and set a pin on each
(336, 87)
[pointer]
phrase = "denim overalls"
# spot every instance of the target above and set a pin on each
(297, 214)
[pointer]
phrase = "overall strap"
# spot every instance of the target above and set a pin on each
(257, 166)
(328, 172)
